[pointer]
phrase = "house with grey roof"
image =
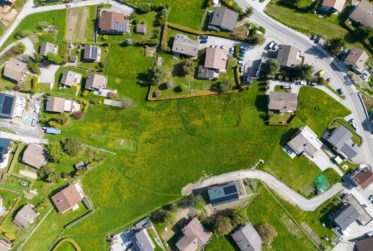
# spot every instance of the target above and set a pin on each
(223, 19)
(184, 45)
(92, 53)
(15, 70)
(69, 78)
(47, 48)
(195, 237)
(282, 102)
(288, 56)
(224, 193)
(247, 238)
(207, 74)
(305, 141)
(26, 216)
(340, 139)
(142, 241)
(344, 217)
(363, 14)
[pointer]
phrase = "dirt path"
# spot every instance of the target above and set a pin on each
(76, 24)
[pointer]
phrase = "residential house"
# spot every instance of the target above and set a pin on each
(111, 22)
(247, 238)
(333, 6)
(288, 56)
(34, 156)
(5, 245)
(207, 74)
(365, 244)
(282, 102)
(362, 14)
(142, 241)
(357, 58)
(195, 237)
(340, 139)
(68, 198)
(223, 19)
(69, 78)
(305, 141)
(26, 216)
(92, 53)
(59, 105)
(4, 150)
(184, 45)
(15, 70)
(47, 48)
(223, 194)
(344, 217)
(95, 82)
(7, 104)
(216, 58)
(363, 177)
(141, 28)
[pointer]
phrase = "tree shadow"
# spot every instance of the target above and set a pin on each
(261, 102)
(178, 70)
(287, 136)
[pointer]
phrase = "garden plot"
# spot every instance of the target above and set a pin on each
(76, 24)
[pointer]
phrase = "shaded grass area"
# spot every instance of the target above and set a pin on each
(220, 243)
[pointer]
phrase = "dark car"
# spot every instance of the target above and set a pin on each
(340, 91)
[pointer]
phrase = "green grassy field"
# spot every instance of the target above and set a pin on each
(219, 243)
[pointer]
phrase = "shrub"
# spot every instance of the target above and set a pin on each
(55, 152)
(33, 67)
(223, 225)
(19, 48)
(267, 232)
(78, 115)
(72, 146)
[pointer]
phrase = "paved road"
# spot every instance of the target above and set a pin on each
(320, 59)
(29, 50)
(277, 186)
(24, 139)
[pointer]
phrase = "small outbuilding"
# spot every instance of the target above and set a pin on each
(26, 216)
(34, 156)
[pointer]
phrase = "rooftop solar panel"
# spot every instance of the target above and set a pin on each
(230, 189)
(7, 105)
(224, 199)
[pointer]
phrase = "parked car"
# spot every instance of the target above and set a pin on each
(317, 39)
(300, 82)
(23, 183)
(310, 83)
(242, 68)
(270, 45)
(33, 122)
(203, 37)
(313, 36)
(370, 233)
(371, 198)
(231, 50)
(352, 123)
(203, 41)
(340, 92)
(240, 62)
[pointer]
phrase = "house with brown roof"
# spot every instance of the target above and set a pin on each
(365, 244)
(282, 102)
(34, 156)
(59, 105)
(195, 237)
(111, 22)
(15, 70)
(69, 78)
(333, 6)
(95, 82)
(357, 58)
(288, 56)
(92, 53)
(362, 14)
(68, 198)
(26, 216)
(141, 28)
(363, 178)
(184, 45)
(216, 58)
(47, 48)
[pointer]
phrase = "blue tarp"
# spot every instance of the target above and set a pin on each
(51, 130)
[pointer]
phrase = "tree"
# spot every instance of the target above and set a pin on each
(270, 68)
(223, 225)
(224, 86)
(33, 67)
(363, 32)
(188, 67)
(19, 48)
(42, 25)
(144, 7)
(72, 146)
(249, 11)
(54, 58)
(303, 71)
(160, 75)
(267, 232)
(55, 152)
(48, 174)
(199, 203)
(334, 45)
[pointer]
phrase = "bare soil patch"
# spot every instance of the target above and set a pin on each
(76, 24)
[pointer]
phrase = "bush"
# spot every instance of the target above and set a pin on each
(33, 67)
(48, 174)
(267, 232)
(78, 115)
(55, 152)
(20, 48)
(56, 59)
(72, 146)
(223, 225)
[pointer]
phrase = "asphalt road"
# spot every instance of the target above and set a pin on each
(320, 59)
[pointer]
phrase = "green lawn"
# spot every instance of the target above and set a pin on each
(219, 243)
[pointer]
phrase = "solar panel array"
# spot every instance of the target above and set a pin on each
(118, 25)
(230, 189)
(230, 194)
(94, 52)
(7, 105)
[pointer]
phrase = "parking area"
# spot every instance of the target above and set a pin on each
(47, 74)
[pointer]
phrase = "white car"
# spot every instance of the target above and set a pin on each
(352, 123)
(271, 44)
(240, 62)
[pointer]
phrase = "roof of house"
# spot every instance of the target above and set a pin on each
(91, 52)
(340, 139)
(4, 148)
(216, 58)
(55, 104)
(363, 13)
(67, 198)
(247, 238)
(5, 245)
(184, 45)
(141, 28)
(357, 57)
(305, 140)
(6, 105)
(95, 81)
(288, 56)
(346, 216)
(224, 18)
(69, 78)
(338, 5)
(283, 101)
(204, 73)
(15, 69)
(223, 193)
(34, 156)
(47, 47)
(113, 21)
(195, 236)
(364, 244)
(142, 241)
(364, 177)
(25, 216)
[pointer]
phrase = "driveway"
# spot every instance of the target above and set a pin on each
(29, 47)
(47, 75)
(277, 186)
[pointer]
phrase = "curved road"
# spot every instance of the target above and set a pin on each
(277, 186)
